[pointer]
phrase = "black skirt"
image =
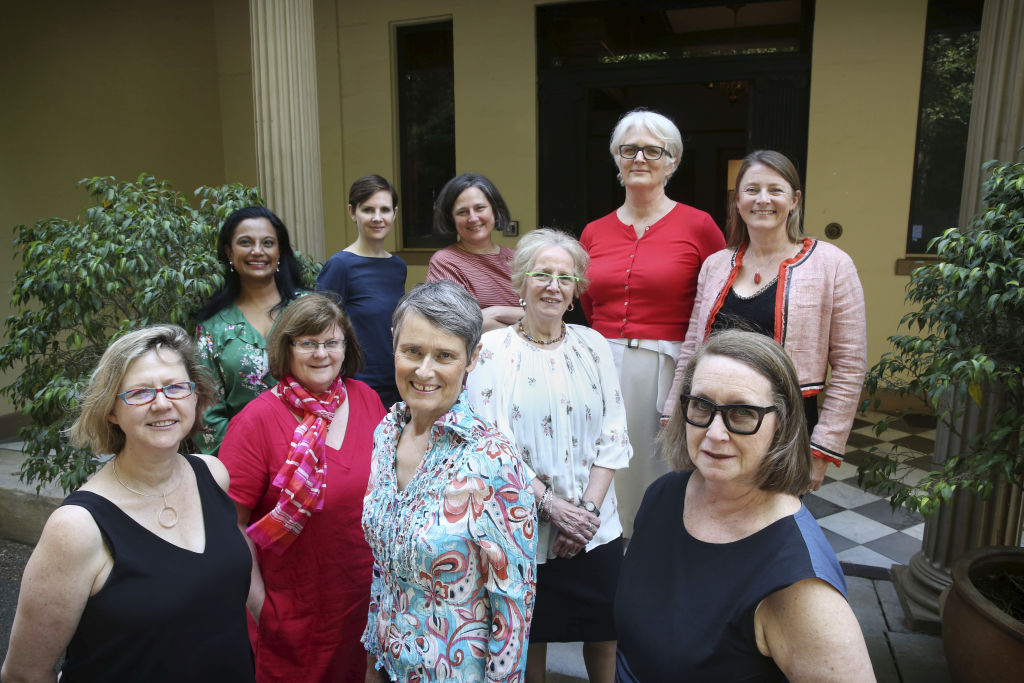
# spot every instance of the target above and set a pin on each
(576, 595)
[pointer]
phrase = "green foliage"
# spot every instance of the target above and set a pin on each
(965, 338)
(140, 255)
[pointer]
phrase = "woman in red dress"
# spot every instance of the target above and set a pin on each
(299, 459)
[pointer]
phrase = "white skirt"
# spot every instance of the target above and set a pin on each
(646, 370)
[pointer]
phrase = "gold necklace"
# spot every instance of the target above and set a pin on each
(522, 331)
(160, 516)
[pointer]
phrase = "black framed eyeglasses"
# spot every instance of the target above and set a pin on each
(738, 418)
(650, 152)
(310, 346)
(144, 395)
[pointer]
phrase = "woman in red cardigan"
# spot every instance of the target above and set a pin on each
(644, 261)
(802, 292)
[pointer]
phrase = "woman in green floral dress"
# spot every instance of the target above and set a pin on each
(262, 276)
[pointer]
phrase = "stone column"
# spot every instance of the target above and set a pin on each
(964, 523)
(967, 522)
(997, 109)
(287, 128)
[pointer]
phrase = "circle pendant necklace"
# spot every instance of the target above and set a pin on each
(168, 516)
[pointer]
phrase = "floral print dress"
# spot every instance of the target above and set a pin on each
(454, 571)
(236, 353)
(562, 408)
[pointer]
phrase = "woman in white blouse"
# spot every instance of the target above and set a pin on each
(553, 389)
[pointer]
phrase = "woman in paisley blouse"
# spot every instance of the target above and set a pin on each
(553, 389)
(449, 512)
(261, 277)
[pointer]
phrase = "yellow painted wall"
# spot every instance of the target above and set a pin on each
(122, 87)
(866, 73)
(118, 88)
(865, 79)
(495, 102)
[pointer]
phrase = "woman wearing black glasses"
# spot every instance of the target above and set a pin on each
(644, 261)
(299, 458)
(553, 390)
(141, 574)
(728, 577)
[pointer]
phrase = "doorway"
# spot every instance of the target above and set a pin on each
(732, 82)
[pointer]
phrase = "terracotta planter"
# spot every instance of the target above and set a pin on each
(982, 642)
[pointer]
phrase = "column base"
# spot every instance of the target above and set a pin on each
(919, 586)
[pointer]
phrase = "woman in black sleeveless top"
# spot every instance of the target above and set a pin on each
(142, 574)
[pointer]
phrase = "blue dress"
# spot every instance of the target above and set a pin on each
(369, 289)
(684, 609)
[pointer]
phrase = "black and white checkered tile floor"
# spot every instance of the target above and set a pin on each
(867, 535)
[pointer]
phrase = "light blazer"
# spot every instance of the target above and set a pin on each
(819, 320)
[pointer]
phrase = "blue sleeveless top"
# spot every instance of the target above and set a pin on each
(166, 613)
(684, 609)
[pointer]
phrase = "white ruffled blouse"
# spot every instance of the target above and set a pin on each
(563, 409)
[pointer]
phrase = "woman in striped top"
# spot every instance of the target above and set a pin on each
(470, 205)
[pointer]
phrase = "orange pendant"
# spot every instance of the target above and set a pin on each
(757, 278)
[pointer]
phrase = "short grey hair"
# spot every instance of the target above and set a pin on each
(447, 306)
(533, 243)
(658, 125)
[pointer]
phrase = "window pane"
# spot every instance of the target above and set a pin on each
(944, 113)
(426, 122)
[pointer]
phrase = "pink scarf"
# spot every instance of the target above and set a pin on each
(303, 476)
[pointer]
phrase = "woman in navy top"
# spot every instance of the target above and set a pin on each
(727, 576)
(370, 281)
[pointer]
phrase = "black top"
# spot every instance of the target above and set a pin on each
(166, 613)
(757, 314)
(684, 609)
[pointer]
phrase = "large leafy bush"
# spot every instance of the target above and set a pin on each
(140, 255)
(965, 340)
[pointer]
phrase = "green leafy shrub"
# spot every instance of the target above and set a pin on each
(140, 255)
(966, 339)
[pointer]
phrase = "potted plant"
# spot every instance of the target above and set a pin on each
(141, 254)
(963, 356)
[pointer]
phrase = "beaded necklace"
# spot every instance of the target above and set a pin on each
(522, 331)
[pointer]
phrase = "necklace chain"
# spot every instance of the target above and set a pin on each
(757, 269)
(172, 518)
(522, 331)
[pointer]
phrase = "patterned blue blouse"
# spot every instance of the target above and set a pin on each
(454, 553)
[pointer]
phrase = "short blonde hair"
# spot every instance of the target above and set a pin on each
(530, 246)
(786, 468)
(92, 428)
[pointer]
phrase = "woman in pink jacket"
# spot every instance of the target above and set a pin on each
(802, 292)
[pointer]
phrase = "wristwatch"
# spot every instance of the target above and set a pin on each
(590, 507)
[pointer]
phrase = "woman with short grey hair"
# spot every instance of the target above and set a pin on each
(449, 511)
(644, 260)
(553, 389)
